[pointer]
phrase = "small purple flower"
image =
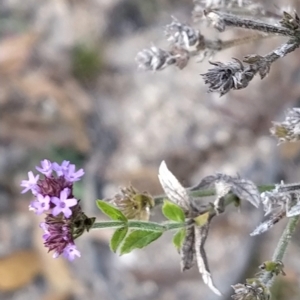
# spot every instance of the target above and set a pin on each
(46, 168)
(70, 252)
(63, 204)
(40, 205)
(30, 184)
(73, 176)
(46, 234)
(54, 197)
(61, 169)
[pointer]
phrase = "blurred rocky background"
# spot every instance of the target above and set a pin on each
(70, 89)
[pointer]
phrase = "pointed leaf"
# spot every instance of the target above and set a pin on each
(111, 211)
(269, 223)
(118, 238)
(202, 219)
(178, 238)
(172, 187)
(200, 239)
(187, 251)
(139, 239)
(243, 188)
(173, 212)
(205, 182)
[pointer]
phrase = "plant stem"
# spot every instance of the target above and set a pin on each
(134, 224)
(152, 226)
(281, 248)
(108, 224)
(235, 21)
(155, 226)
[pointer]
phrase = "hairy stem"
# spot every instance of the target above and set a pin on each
(281, 247)
(282, 51)
(252, 13)
(134, 224)
(234, 21)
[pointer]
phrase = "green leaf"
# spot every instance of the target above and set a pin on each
(139, 239)
(202, 219)
(173, 212)
(179, 238)
(111, 211)
(118, 238)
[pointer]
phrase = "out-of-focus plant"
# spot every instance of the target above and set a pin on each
(129, 209)
(86, 62)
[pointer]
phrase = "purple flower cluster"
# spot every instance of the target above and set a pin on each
(54, 196)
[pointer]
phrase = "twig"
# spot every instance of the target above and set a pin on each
(281, 248)
(230, 20)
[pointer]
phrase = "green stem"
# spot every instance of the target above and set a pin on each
(134, 224)
(281, 247)
(152, 226)
(155, 226)
(108, 224)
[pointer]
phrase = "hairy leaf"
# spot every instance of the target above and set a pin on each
(173, 189)
(188, 249)
(178, 238)
(266, 225)
(200, 239)
(110, 211)
(206, 182)
(173, 212)
(242, 188)
(118, 238)
(138, 239)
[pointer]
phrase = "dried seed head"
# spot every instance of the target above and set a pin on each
(184, 36)
(252, 290)
(154, 59)
(289, 129)
(290, 22)
(227, 76)
(133, 204)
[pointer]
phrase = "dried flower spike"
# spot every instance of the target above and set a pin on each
(252, 290)
(184, 36)
(154, 59)
(224, 77)
(133, 204)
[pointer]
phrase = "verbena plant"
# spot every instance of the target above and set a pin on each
(129, 210)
